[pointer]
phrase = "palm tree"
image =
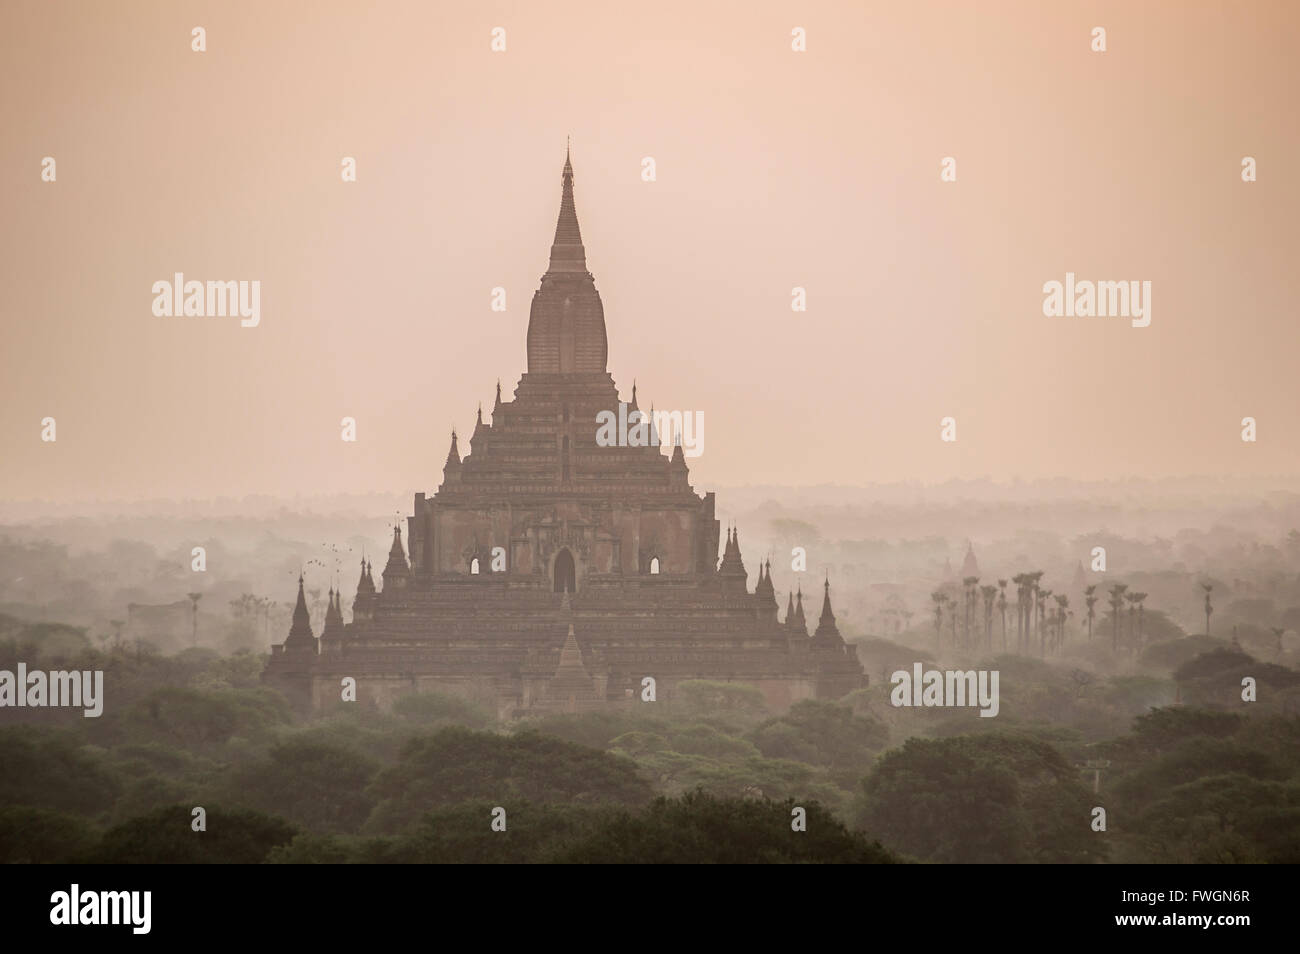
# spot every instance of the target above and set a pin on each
(1062, 603)
(1019, 580)
(1090, 597)
(1034, 593)
(1138, 598)
(1042, 631)
(1027, 610)
(1116, 602)
(1002, 607)
(194, 617)
(1132, 615)
(938, 598)
(969, 583)
(989, 593)
(1208, 608)
(1277, 634)
(952, 617)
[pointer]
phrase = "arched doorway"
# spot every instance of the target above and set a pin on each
(654, 566)
(566, 574)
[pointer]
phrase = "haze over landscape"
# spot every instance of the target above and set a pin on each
(363, 573)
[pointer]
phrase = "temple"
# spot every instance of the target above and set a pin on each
(551, 573)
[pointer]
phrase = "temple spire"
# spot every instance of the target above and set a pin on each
(397, 567)
(732, 565)
(765, 592)
(332, 631)
(300, 634)
(567, 253)
(827, 634)
(679, 456)
(827, 615)
(800, 623)
(451, 469)
(566, 321)
(301, 618)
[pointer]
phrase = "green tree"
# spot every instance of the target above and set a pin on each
(41, 836)
(456, 764)
(822, 733)
(699, 828)
(318, 785)
(991, 798)
(1227, 818)
(51, 768)
(165, 836)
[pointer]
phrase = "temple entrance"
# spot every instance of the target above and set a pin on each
(566, 574)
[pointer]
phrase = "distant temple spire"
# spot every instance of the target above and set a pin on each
(566, 321)
(567, 253)
(827, 620)
(364, 600)
(764, 591)
(300, 634)
(732, 568)
(827, 635)
(332, 632)
(800, 624)
(451, 469)
(397, 567)
(678, 463)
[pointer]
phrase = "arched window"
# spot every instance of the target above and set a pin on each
(654, 566)
(566, 574)
(473, 566)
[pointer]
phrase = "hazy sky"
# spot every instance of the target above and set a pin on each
(775, 169)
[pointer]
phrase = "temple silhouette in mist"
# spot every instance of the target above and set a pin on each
(550, 573)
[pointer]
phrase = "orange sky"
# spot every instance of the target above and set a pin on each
(775, 169)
